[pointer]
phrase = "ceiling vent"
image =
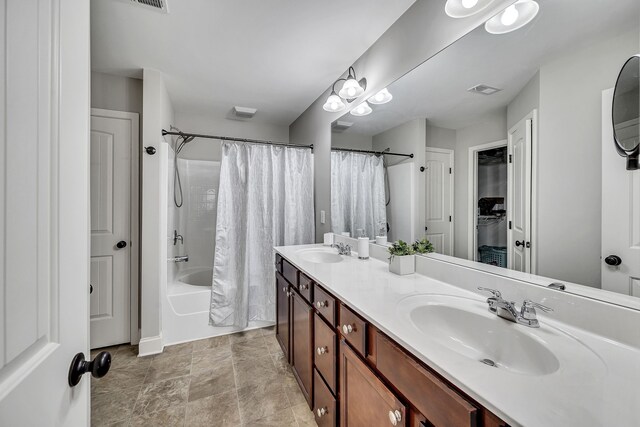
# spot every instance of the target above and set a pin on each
(340, 126)
(244, 112)
(483, 90)
(159, 5)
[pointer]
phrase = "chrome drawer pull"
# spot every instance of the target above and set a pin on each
(321, 304)
(322, 412)
(395, 417)
(322, 350)
(347, 329)
(304, 287)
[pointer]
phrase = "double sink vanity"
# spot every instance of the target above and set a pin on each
(371, 348)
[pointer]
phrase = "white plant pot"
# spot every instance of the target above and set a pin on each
(402, 265)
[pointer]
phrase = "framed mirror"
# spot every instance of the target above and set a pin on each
(626, 112)
(515, 169)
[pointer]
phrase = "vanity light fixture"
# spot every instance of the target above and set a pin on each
(351, 89)
(513, 17)
(334, 103)
(381, 97)
(362, 109)
(465, 8)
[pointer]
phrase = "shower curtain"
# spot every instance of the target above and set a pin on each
(357, 193)
(265, 200)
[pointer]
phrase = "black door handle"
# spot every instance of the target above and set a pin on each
(98, 367)
(613, 260)
(519, 243)
(121, 244)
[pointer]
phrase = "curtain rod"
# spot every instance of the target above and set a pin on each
(284, 144)
(229, 138)
(377, 153)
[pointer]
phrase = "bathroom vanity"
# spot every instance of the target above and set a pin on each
(368, 347)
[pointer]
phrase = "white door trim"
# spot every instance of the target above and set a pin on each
(134, 240)
(452, 191)
(472, 194)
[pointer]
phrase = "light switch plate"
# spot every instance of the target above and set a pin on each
(322, 217)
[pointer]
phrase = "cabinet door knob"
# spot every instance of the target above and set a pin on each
(288, 294)
(321, 304)
(284, 289)
(347, 329)
(304, 287)
(395, 417)
(322, 350)
(322, 412)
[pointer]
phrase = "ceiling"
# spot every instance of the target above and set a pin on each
(437, 89)
(274, 55)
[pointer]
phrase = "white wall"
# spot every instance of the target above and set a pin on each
(407, 138)
(351, 140)
(205, 149)
(421, 32)
(118, 93)
(438, 137)
(493, 127)
(570, 158)
(158, 114)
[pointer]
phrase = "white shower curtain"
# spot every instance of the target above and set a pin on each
(265, 200)
(357, 193)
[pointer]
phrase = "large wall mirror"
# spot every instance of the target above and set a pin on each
(515, 165)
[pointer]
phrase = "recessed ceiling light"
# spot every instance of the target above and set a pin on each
(381, 97)
(513, 17)
(362, 110)
(465, 8)
(483, 89)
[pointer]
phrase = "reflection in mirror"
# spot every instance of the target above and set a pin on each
(515, 163)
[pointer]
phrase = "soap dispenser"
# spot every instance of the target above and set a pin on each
(363, 245)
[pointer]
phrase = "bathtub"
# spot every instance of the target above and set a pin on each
(185, 315)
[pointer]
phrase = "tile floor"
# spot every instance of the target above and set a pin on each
(234, 380)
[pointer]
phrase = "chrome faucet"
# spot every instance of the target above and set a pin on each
(343, 249)
(507, 310)
(177, 237)
(180, 258)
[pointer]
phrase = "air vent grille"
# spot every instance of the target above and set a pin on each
(159, 5)
(340, 126)
(483, 90)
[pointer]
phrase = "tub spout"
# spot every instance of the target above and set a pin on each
(180, 258)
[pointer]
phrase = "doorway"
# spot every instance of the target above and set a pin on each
(113, 301)
(488, 203)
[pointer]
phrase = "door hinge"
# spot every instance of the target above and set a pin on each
(449, 218)
(509, 225)
(449, 171)
(510, 158)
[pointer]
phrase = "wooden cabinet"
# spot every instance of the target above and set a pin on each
(283, 291)
(302, 344)
(365, 401)
(352, 374)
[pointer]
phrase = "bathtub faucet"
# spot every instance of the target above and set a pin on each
(180, 258)
(177, 237)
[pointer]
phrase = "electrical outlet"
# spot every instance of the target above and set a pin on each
(322, 217)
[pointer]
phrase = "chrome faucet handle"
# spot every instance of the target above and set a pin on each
(496, 293)
(529, 307)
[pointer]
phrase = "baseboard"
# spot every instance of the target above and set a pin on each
(150, 345)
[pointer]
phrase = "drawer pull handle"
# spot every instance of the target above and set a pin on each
(304, 287)
(321, 304)
(347, 329)
(322, 412)
(322, 350)
(288, 294)
(284, 289)
(395, 417)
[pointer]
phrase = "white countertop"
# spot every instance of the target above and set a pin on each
(597, 386)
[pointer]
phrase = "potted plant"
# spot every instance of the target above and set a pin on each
(402, 260)
(423, 246)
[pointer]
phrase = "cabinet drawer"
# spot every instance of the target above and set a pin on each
(325, 355)
(325, 304)
(305, 285)
(440, 404)
(290, 273)
(354, 329)
(278, 263)
(325, 406)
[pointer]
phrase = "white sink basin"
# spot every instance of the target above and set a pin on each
(464, 326)
(320, 256)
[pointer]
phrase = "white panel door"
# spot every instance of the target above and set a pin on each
(44, 210)
(439, 199)
(519, 196)
(111, 146)
(620, 213)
